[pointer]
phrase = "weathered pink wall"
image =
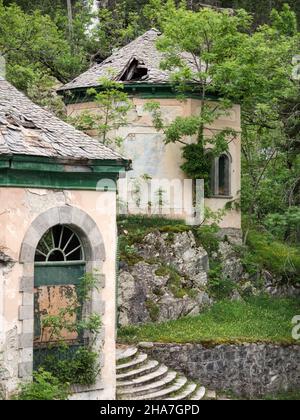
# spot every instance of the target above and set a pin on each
(18, 209)
(151, 156)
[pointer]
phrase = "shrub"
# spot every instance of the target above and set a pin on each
(206, 236)
(218, 287)
(285, 226)
(277, 257)
(44, 387)
(79, 368)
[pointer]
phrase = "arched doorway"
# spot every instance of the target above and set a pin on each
(60, 265)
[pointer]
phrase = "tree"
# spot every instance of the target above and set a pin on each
(211, 38)
(113, 105)
(251, 68)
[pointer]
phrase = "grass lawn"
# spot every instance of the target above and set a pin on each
(259, 319)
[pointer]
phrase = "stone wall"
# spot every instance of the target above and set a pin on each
(248, 370)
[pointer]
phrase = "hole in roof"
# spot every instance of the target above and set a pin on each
(134, 72)
(20, 121)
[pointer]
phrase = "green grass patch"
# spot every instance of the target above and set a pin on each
(143, 223)
(259, 319)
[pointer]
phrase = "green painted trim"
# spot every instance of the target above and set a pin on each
(50, 180)
(140, 90)
(49, 173)
(57, 275)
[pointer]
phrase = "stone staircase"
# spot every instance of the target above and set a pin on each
(139, 378)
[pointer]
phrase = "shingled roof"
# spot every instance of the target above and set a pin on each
(27, 129)
(141, 53)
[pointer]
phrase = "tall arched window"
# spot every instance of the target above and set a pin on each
(224, 175)
(221, 176)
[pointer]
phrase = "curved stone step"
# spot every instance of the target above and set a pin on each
(187, 392)
(157, 375)
(198, 395)
(152, 387)
(149, 367)
(164, 393)
(134, 363)
(124, 353)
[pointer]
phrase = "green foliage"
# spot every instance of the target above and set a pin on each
(80, 367)
(197, 164)
(113, 105)
(175, 282)
(207, 237)
(285, 226)
(277, 257)
(180, 228)
(34, 43)
(44, 387)
(153, 310)
(138, 223)
(259, 319)
(218, 287)
(285, 22)
(293, 395)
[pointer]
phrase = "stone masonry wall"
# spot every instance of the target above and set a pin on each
(249, 370)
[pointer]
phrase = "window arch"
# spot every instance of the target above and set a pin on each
(59, 244)
(221, 175)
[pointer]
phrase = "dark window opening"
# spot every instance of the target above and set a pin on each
(224, 175)
(59, 244)
(220, 175)
(135, 72)
(56, 255)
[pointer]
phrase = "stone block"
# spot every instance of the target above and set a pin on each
(26, 312)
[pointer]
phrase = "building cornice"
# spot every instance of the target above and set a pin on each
(140, 90)
(41, 172)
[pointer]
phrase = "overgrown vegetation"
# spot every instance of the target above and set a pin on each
(279, 258)
(258, 319)
(45, 387)
(76, 364)
(218, 287)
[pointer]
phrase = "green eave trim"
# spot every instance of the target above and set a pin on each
(140, 90)
(35, 172)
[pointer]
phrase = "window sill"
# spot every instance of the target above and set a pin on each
(220, 197)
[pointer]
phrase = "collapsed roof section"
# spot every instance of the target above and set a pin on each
(137, 62)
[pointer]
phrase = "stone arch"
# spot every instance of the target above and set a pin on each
(95, 256)
(77, 219)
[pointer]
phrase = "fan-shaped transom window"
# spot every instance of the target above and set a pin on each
(59, 244)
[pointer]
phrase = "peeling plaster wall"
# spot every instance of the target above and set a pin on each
(18, 209)
(152, 157)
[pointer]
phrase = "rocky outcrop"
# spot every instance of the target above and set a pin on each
(232, 267)
(168, 281)
(166, 276)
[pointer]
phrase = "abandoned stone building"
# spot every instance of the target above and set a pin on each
(137, 66)
(57, 222)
